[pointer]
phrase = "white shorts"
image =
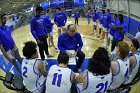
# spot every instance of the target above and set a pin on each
(105, 29)
(61, 27)
(100, 25)
(50, 34)
(110, 36)
(94, 23)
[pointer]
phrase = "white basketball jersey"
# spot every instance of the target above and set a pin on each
(32, 79)
(58, 80)
(121, 76)
(97, 84)
(134, 70)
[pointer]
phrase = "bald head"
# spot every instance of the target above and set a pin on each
(71, 29)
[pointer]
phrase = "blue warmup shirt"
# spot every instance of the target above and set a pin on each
(109, 17)
(100, 17)
(119, 36)
(60, 19)
(65, 42)
(38, 27)
(112, 25)
(104, 20)
(6, 38)
(76, 15)
(95, 16)
(48, 24)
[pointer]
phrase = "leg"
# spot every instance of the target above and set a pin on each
(45, 46)
(88, 20)
(81, 57)
(77, 21)
(108, 41)
(16, 54)
(114, 43)
(41, 51)
(16, 66)
(59, 32)
(51, 40)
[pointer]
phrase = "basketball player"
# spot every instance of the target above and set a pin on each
(120, 30)
(76, 16)
(94, 17)
(39, 32)
(112, 31)
(98, 77)
(134, 60)
(60, 77)
(60, 20)
(119, 67)
(31, 69)
(106, 18)
(49, 27)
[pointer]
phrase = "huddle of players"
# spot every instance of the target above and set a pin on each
(100, 76)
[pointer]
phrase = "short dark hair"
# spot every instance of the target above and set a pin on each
(2, 16)
(115, 15)
(58, 8)
(29, 49)
(48, 10)
(121, 18)
(39, 8)
(63, 58)
(108, 10)
(100, 63)
(94, 10)
(135, 43)
(103, 11)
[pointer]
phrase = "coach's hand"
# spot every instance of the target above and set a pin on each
(75, 54)
(69, 54)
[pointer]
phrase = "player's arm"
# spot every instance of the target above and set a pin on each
(82, 78)
(74, 76)
(42, 68)
(32, 26)
(114, 67)
(5, 54)
(132, 61)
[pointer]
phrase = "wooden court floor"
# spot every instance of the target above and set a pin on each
(91, 43)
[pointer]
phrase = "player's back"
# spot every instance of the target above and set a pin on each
(97, 83)
(31, 76)
(58, 80)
